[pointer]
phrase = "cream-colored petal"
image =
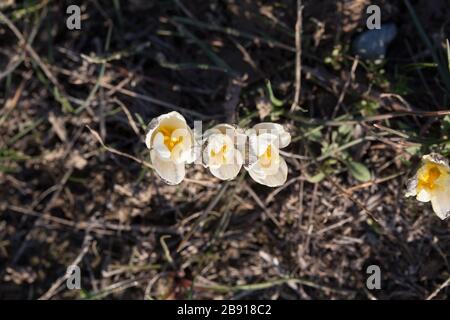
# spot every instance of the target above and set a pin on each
(159, 146)
(256, 175)
(194, 154)
(436, 158)
(173, 119)
(178, 154)
(154, 124)
(184, 133)
(411, 187)
(222, 128)
(274, 129)
(217, 141)
(182, 151)
(258, 145)
(441, 203)
(423, 196)
(274, 164)
(273, 168)
(172, 173)
(228, 171)
(275, 180)
(210, 161)
(263, 141)
(219, 150)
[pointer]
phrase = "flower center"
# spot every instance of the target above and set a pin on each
(266, 157)
(221, 153)
(170, 141)
(427, 179)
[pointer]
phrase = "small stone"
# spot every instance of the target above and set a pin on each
(372, 44)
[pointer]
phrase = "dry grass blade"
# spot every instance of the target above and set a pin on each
(119, 153)
(298, 55)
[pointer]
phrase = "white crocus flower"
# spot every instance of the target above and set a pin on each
(171, 142)
(266, 166)
(432, 183)
(220, 154)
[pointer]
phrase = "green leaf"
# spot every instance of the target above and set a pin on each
(448, 55)
(316, 178)
(413, 149)
(141, 121)
(67, 107)
(276, 102)
(359, 171)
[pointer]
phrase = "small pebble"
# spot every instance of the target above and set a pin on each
(372, 44)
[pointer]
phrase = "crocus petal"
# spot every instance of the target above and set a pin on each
(441, 203)
(271, 169)
(423, 196)
(172, 118)
(230, 170)
(182, 150)
(258, 145)
(222, 128)
(432, 183)
(262, 142)
(436, 158)
(274, 180)
(160, 147)
(172, 173)
(274, 129)
(178, 154)
(411, 187)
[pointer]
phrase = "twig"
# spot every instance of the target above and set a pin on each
(234, 32)
(380, 117)
(208, 209)
(261, 205)
(184, 9)
(442, 286)
(84, 249)
(269, 284)
(141, 162)
(345, 88)
(102, 228)
(115, 151)
(30, 50)
(155, 101)
(374, 182)
(129, 117)
(298, 55)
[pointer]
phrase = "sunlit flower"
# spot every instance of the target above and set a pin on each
(265, 165)
(432, 183)
(171, 142)
(220, 154)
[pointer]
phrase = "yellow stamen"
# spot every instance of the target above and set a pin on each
(220, 153)
(170, 141)
(428, 176)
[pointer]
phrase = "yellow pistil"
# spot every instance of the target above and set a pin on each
(266, 157)
(170, 141)
(428, 175)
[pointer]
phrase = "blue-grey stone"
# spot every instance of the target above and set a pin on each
(372, 44)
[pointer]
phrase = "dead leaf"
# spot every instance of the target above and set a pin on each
(58, 126)
(77, 161)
